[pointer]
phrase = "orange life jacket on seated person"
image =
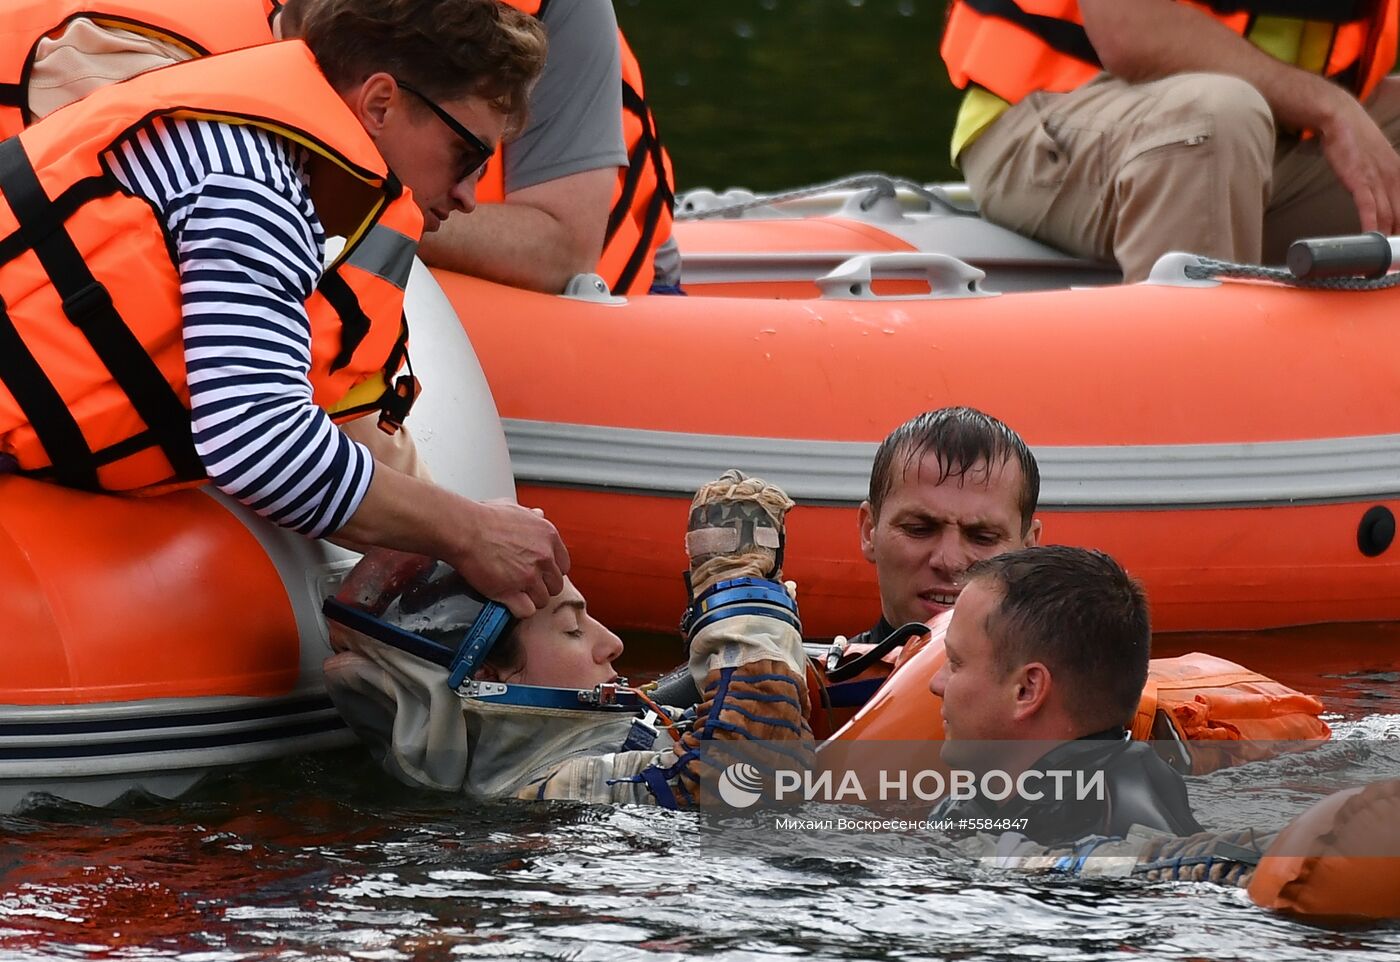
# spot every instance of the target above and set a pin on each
(643, 200)
(92, 369)
(199, 31)
(1016, 47)
(368, 284)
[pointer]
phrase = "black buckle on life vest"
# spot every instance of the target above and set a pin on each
(43, 229)
(397, 402)
(86, 302)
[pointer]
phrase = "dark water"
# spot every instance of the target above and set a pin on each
(323, 858)
(773, 93)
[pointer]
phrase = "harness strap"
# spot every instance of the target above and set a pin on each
(89, 307)
(41, 403)
(655, 781)
(641, 736)
(648, 148)
(633, 103)
(64, 207)
(354, 322)
(1072, 40)
(399, 354)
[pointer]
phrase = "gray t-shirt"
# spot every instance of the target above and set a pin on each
(576, 108)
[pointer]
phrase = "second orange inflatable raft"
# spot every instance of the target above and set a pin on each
(1233, 445)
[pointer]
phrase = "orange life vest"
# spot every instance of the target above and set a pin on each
(368, 285)
(1016, 47)
(644, 198)
(222, 27)
(91, 357)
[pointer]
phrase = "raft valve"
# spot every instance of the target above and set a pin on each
(1376, 532)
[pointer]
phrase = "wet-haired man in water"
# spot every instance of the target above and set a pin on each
(947, 488)
(1047, 655)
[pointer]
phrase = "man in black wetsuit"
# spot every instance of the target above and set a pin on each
(1047, 657)
(947, 488)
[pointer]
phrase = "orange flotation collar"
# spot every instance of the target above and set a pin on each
(1201, 699)
(1332, 863)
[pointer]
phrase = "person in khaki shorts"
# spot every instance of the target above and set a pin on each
(1124, 130)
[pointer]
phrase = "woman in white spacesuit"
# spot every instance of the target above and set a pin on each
(448, 693)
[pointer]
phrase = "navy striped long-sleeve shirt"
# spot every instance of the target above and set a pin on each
(249, 249)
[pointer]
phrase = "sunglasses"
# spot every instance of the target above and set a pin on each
(478, 153)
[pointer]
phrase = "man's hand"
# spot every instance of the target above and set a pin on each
(508, 553)
(513, 555)
(1365, 163)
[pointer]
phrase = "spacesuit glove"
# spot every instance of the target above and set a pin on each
(735, 530)
(1225, 858)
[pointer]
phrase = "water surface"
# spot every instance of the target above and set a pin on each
(323, 858)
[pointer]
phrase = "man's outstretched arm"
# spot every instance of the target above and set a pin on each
(538, 239)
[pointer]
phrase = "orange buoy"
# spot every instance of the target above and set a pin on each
(151, 640)
(1337, 862)
(117, 599)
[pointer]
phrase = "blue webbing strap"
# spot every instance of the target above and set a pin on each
(655, 780)
(740, 596)
(493, 622)
(380, 630)
(461, 661)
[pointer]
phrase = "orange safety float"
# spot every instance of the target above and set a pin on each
(1338, 862)
(1206, 712)
(151, 639)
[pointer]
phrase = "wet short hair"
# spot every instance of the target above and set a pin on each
(961, 438)
(1083, 616)
(445, 48)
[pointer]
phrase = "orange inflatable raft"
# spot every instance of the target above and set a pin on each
(151, 640)
(1233, 444)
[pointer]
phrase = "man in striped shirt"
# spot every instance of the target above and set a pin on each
(238, 206)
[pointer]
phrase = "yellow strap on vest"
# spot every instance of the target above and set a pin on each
(361, 398)
(1303, 43)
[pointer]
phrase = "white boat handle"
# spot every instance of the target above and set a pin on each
(947, 276)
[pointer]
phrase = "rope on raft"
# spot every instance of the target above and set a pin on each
(885, 187)
(1207, 269)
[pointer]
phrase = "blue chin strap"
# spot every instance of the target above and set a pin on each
(461, 662)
